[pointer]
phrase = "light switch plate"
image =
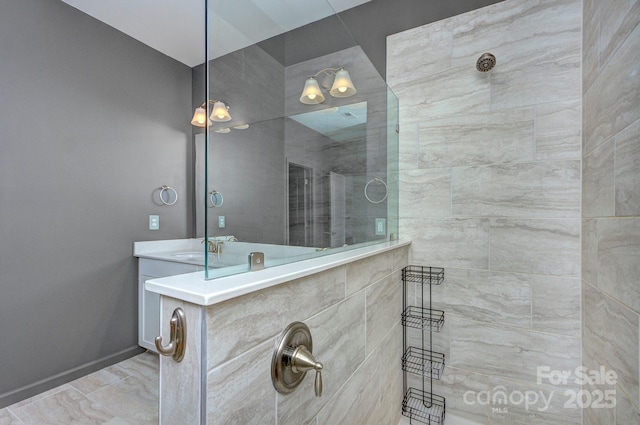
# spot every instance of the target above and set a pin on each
(381, 226)
(221, 222)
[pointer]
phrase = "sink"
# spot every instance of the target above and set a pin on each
(192, 255)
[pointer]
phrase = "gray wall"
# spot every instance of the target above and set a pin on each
(611, 203)
(490, 189)
(91, 124)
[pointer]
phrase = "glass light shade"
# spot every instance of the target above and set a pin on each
(220, 112)
(342, 85)
(241, 126)
(223, 130)
(311, 95)
(200, 118)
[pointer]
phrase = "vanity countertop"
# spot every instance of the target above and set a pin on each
(194, 288)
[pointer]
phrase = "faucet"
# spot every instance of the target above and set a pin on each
(211, 245)
(214, 246)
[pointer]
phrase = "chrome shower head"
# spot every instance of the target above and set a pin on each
(486, 62)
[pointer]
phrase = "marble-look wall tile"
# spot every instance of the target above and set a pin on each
(405, 60)
(363, 273)
(589, 251)
(339, 343)
(448, 242)
(558, 130)
(180, 394)
(513, 403)
(590, 37)
(610, 334)
(551, 76)
(627, 171)
(388, 353)
(614, 254)
(477, 138)
(409, 147)
(230, 334)
(537, 46)
(533, 190)
(510, 353)
(517, 29)
(484, 296)
(464, 391)
(384, 307)
(555, 305)
(355, 403)
(549, 247)
(617, 20)
(425, 193)
(598, 181)
(399, 258)
(626, 411)
(593, 414)
(453, 91)
(613, 101)
(240, 392)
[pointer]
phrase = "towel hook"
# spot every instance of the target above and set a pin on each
(178, 336)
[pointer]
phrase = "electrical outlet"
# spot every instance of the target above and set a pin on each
(221, 222)
(154, 222)
(381, 226)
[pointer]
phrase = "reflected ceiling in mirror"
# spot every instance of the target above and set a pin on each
(342, 124)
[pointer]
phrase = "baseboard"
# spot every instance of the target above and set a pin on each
(46, 384)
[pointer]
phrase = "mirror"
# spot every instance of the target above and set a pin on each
(294, 173)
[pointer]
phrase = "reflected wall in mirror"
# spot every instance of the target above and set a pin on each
(297, 174)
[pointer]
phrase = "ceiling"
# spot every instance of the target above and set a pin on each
(176, 27)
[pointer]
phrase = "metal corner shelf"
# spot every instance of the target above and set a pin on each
(419, 404)
(423, 274)
(424, 406)
(421, 318)
(423, 362)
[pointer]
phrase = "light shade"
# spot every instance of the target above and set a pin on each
(200, 118)
(223, 130)
(220, 112)
(342, 85)
(311, 95)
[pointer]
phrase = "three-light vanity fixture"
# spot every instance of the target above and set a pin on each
(342, 85)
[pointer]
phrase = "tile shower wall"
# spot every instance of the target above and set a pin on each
(611, 203)
(490, 189)
(353, 312)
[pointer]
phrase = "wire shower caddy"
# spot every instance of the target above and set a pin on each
(422, 404)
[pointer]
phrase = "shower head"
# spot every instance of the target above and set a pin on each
(486, 62)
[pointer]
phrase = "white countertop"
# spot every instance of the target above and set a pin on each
(193, 287)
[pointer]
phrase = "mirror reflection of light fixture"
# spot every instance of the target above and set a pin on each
(342, 86)
(220, 113)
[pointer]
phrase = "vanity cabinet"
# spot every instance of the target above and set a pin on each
(149, 302)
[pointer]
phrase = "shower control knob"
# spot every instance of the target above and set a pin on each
(302, 360)
(293, 358)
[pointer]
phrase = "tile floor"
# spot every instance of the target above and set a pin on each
(123, 394)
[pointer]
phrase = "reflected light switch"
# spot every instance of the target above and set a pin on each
(221, 222)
